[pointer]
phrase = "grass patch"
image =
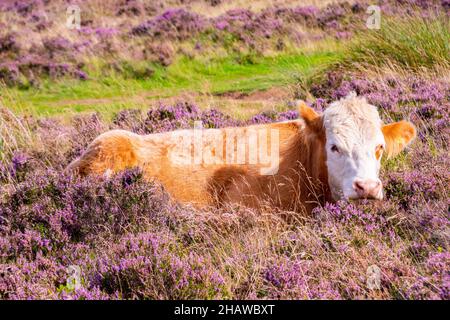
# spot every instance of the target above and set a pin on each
(413, 43)
(204, 75)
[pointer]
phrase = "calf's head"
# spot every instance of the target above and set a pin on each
(355, 141)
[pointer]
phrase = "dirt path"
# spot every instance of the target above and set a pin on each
(240, 103)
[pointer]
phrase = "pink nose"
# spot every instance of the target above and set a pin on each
(368, 188)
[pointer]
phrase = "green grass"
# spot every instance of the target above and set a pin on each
(108, 94)
(412, 43)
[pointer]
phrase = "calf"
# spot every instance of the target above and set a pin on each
(314, 159)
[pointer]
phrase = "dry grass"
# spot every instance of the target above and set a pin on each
(14, 133)
(202, 7)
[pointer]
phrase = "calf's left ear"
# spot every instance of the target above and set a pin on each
(397, 136)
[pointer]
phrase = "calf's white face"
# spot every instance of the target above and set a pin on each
(354, 145)
(355, 142)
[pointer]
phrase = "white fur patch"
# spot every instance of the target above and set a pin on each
(353, 130)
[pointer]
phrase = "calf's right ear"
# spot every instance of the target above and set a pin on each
(397, 136)
(312, 119)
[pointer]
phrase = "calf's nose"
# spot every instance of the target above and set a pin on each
(367, 188)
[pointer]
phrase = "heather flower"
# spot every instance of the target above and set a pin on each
(106, 32)
(308, 13)
(222, 25)
(130, 8)
(17, 168)
(93, 293)
(9, 43)
(294, 279)
(81, 75)
(130, 119)
(348, 213)
(9, 73)
(272, 116)
(245, 25)
(56, 44)
(436, 284)
(174, 24)
(403, 186)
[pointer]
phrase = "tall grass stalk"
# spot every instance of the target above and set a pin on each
(412, 43)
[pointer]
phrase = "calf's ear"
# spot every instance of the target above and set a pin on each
(312, 119)
(397, 136)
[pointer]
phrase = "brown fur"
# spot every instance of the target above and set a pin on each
(397, 136)
(301, 181)
(115, 153)
(300, 184)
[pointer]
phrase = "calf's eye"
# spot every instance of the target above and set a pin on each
(334, 148)
(379, 151)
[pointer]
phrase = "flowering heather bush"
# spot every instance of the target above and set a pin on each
(167, 118)
(150, 266)
(8, 43)
(29, 69)
(248, 26)
(183, 115)
(173, 24)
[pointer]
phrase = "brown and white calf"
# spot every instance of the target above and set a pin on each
(317, 158)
